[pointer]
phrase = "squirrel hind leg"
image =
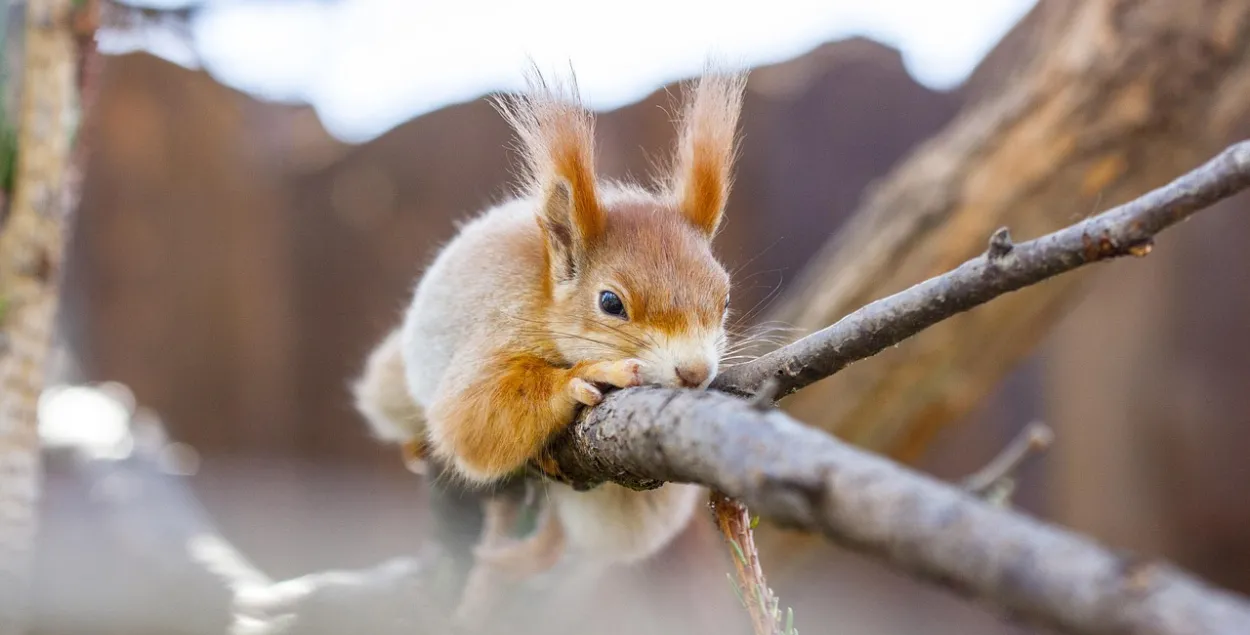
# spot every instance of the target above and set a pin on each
(500, 560)
(382, 398)
(530, 556)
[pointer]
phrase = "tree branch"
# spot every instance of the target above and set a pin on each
(803, 478)
(734, 522)
(1125, 230)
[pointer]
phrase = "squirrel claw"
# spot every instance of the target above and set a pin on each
(585, 392)
(628, 374)
(623, 373)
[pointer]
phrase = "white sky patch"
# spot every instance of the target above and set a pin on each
(368, 65)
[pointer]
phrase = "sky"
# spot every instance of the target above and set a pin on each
(366, 66)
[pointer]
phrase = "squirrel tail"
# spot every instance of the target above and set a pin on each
(381, 395)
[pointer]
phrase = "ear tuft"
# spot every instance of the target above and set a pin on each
(707, 147)
(557, 143)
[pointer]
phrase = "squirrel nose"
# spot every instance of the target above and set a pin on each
(693, 375)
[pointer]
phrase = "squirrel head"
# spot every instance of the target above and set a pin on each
(630, 270)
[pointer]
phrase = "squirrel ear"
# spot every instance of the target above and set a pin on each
(707, 147)
(557, 142)
(569, 229)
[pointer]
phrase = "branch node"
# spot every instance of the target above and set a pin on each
(890, 320)
(1141, 249)
(1240, 154)
(1000, 244)
(996, 480)
(766, 395)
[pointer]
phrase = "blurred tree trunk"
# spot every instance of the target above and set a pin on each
(1112, 98)
(30, 256)
(1146, 382)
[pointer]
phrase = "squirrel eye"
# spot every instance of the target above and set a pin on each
(611, 304)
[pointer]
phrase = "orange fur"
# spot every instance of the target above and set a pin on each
(494, 424)
(707, 149)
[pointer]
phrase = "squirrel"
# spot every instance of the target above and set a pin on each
(573, 286)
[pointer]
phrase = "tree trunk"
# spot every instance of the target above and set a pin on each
(1116, 97)
(30, 256)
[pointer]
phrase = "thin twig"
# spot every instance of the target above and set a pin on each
(1032, 441)
(1125, 230)
(766, 395)
(734, 521)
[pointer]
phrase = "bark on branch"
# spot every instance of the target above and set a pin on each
(803, 478)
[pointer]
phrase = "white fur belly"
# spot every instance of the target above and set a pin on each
(614, 524)
(488, 272)
(427, 351)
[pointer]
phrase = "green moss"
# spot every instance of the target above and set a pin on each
(8, 157)
(8, 141)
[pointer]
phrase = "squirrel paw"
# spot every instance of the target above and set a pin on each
(529, 556)
(585, 392)
(623, 373)
(414, 453)
(519, 559)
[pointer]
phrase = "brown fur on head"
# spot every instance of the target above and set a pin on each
(650, 250)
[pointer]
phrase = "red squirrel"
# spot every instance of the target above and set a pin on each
(574, 286)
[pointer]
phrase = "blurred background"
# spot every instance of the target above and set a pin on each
(268, 178)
